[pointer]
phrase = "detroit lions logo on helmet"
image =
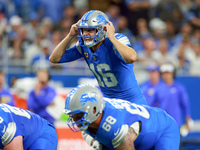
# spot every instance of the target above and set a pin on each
(100, 18)
(88, 98)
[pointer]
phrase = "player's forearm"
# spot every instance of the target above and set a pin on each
(128, 54)
(16, 143)
(87, 138)
(128, 142)
(60, 49)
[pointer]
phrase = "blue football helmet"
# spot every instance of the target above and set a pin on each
(80, 105)
(96, 20)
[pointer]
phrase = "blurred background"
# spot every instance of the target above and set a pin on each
(159, 30)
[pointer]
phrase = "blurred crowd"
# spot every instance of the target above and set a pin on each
(160, 30)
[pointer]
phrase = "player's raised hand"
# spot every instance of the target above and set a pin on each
(110, 29)
(74, 30)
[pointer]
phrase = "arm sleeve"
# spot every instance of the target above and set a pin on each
(124, 40)
(120, 136)
(87, 137)
(71, 54)
(9, 133)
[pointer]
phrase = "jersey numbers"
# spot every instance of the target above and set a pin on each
(109, 121)
(136, 109)
(130, 107)
(18, 111)
(109, 79)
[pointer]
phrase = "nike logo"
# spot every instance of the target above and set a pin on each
(116, 132)
(119, 36)
(4, 129)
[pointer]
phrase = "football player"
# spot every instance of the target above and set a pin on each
(119, 124)
(23, 130)
(108, 55)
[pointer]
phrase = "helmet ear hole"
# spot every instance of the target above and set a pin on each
(94, 110)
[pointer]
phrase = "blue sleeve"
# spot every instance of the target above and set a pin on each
(123, 39)
(70, 54)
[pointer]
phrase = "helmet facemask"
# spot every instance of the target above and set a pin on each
(99, 35)
(80, 123)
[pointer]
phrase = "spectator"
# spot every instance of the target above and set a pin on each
(53, 9)
(185, 6)
(163, 55)
(172, 96)
(1, 50)
(42, 96)
(5, 95)
(137, 9)
(158, 29)
(113, 14)
(143, 33)
(170, 10)
(32, 26)
(101, 5)
(41, 61)
(142, 28)
(8, 8)
(23, 130)
(194, 14)
(34, 49)
(185, 49)
(171, 32)
(146, 55)
(183, 66)
(3, 23)
(15, 23)
(185, 30)
(152, 85)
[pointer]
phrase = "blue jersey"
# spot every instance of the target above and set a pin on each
(115, 77)
(19, 122)
(158, 129)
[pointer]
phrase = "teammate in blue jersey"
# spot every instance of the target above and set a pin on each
(22, 130)
(119, 124)
(108, 55)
